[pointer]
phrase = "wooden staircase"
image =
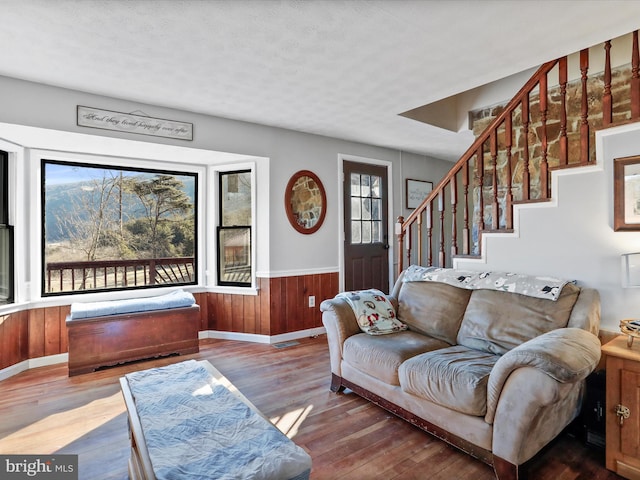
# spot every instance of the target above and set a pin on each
(547, 125)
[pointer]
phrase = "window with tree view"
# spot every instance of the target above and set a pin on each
(107, 228)
(6, 234)
(234, 230)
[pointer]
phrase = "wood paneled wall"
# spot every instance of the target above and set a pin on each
(281, 306)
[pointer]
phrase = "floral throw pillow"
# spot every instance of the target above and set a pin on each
(374, 312)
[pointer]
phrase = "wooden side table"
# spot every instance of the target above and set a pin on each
(623, 407)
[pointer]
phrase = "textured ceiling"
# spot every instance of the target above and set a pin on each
(342, 68)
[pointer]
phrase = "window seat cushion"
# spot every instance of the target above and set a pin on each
(175, 299)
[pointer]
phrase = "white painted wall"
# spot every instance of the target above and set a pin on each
(573, 237)
(31, 104)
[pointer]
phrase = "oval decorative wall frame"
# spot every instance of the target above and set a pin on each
(305, 202)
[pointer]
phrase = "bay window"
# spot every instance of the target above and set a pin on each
(234, 228)
(6, 234)
(115, 227)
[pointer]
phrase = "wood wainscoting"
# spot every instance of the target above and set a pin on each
(281, 306)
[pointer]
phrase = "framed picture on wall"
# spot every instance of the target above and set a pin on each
(416, 191)
(626, 194)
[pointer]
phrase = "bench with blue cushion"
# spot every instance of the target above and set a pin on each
(112, 332)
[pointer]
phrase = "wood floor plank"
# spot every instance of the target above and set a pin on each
(44, 411)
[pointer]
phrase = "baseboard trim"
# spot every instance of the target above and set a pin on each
(33, 363)
(256, 338)
(9, 372)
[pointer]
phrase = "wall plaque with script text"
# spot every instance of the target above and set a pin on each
(131, 123)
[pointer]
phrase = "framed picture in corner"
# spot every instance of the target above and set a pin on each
(626, 194)
(416, 191)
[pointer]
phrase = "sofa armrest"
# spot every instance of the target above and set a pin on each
(340, 322)
(532, 410)
(567, 355)
(586, 311)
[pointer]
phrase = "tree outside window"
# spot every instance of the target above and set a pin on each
(108, 228)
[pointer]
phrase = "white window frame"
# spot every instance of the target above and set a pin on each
(116, 162)
(213, 210)
(28, 145)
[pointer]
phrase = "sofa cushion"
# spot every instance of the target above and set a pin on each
(455, 377)
(433, 308)
(496, 322)
(381, 357)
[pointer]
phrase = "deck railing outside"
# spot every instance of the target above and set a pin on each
(107, 274)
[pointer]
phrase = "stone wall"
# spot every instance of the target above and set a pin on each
(306, 202)
(480, 119)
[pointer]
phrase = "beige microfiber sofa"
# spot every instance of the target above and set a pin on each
(496, 373)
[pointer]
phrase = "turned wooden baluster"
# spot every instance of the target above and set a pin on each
(429, 218)
(409, 240)
(562, 73)
(419, 226)
(400, 235)
(544, 166)
(441, 257)
(465, 229)
(607, 101)
(454, 220)
(508, 142)
(479, 175)
(525, 152)
(495, 209)
(635, 78)
(584, 115)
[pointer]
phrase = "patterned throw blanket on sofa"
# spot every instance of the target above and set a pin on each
(539, 287)
(374, 312)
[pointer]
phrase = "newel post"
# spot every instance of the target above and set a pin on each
(400, 234)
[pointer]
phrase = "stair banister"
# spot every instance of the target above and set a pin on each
(505, 140)
(404, 225)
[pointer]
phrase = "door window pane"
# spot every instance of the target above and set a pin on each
(375, 186)
(365, 186)
(355, 209)
(366, 208)
(356, 232)
(376, 236)
(355, 185)
(376, 206)
(366, 232)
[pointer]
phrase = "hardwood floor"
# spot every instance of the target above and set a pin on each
(44, 411)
